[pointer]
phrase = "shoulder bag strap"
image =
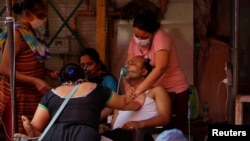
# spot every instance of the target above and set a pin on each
(58, 112)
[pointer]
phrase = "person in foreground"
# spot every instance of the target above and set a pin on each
(151, 41)
(155, 111)
(97, 72)
(80, 118)
(30, 53)
(171, 135)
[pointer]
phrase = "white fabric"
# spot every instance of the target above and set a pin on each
(148, 110)
(103, 138)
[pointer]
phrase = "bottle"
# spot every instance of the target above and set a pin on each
(205, 112)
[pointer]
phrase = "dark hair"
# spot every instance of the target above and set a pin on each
(147, 22)
(71, 72)
(94, 55)
(32, 5)
(147, 65)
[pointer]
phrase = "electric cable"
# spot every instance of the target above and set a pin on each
(227, 118)
(217, 98)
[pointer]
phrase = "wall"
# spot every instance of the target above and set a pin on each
(243, 60)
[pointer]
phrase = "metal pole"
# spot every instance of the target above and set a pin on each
(235, 44)
(10, 35)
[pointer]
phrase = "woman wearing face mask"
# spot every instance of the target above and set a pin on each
(30, 71)
(96, 72)
(152, 42)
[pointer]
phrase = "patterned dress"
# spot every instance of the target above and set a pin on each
(27, 95)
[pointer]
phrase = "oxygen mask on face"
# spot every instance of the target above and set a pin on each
(124, 71)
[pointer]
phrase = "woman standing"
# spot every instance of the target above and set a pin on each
(30, 54)
(152, 42)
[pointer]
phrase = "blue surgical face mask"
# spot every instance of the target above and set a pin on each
(142, 43)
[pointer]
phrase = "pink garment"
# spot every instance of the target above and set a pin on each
(173, 79)
(148, 110)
